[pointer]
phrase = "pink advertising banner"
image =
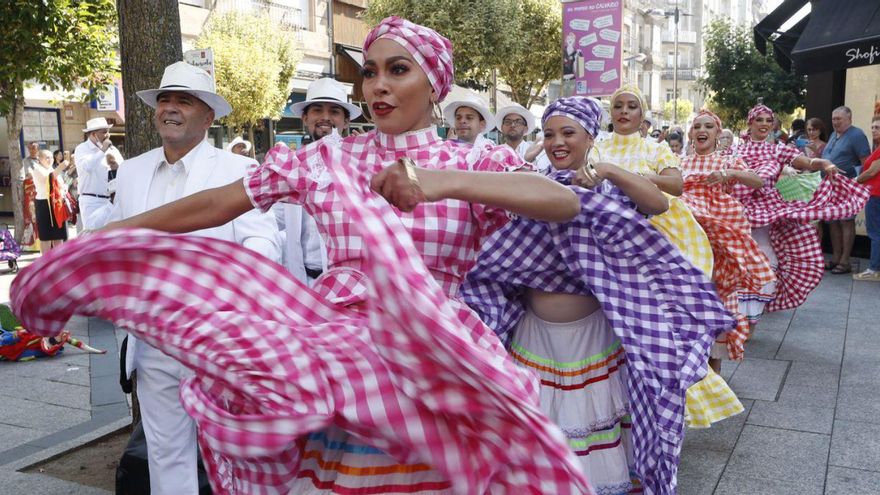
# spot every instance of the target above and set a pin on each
(591, 47)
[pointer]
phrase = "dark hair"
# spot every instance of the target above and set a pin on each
(798, 125)
(818, 124)
(347, 115)
(55, 153)
(675, 137)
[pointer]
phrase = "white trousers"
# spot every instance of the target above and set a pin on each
(94, 211)
(170, 432)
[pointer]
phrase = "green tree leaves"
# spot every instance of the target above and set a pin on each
(736, 75)
(59, 44)
(254, 62)
(521, 39)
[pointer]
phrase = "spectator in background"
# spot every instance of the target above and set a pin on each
(798, 137)
(645, 127)
(778, 135)
(239, 146)
(51, 233)
(847, 149)
(871, 178)
(58, 159)
(817, 137)
(91, 168)
(676, 144)
(725, 140)
(30, 161)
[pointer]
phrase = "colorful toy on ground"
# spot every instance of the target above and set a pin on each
(17, 344)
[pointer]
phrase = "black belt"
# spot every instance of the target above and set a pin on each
(314, 272)
(94, 195)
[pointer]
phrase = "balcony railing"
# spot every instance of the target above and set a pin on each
(683, 36)
(282, 11)
(683, 74)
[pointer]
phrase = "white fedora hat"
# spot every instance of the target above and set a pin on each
(181, 76)
(326, 90)
(470, 101)
(96, 124)
(519, 110)
(239, 140)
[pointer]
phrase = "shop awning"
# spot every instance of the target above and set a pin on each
(783, 41)
(353, 54)
(839, 35)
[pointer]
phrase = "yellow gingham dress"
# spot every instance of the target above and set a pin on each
(711, 399)
(641, 156)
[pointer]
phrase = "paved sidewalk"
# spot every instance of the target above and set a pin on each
(810, 387)
(812, 396)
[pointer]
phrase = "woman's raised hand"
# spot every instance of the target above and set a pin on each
(399, 185)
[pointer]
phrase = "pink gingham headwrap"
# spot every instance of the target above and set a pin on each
(758, 110)
(585, 111)
(703, 113)
(432, 51)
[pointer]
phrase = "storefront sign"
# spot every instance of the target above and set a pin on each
(203, 59)
(591, 47)
(107, 100)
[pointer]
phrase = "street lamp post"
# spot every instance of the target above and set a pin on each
(675, 71)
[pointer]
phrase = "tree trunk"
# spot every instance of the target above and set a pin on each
(13, 129)
(144, 54)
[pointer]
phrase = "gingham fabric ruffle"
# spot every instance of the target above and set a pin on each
(664, 310)
(794, 241)
(275, 361)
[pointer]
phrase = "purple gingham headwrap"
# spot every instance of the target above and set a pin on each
(585, 111)
(432, 51)
(758, 110)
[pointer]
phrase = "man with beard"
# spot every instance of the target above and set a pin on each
(470, 117)
(325, 108)
(517, 122)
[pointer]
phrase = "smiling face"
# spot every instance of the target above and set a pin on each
(468, 124)
(626, 114)
(321, 118)
(182, 120)
(397, 90)
(566, 143)
(704, 134)
(760, 128)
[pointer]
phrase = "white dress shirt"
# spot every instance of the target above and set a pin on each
(91, 168)
(40, 175)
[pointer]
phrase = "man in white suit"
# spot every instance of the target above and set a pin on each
(185, 105)
(325, 108)
(91, 170)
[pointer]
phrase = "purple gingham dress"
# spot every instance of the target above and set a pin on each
(664, 310)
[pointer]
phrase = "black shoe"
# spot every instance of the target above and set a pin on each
(13, 266)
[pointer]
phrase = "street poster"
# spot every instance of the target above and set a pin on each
(591, 47)
(203, 59)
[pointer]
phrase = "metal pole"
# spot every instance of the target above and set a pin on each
(675, 74)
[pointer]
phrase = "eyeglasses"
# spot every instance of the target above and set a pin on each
(519, 123)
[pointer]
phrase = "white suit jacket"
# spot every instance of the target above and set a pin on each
(211, 167)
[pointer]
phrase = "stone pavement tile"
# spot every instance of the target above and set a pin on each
(843, 481)
(14, 436)
(106, 390)
(39, 368)
(104, 365)
(73, 375)
(15, 482)
(699, 471)
(742, 485)
(721, 437)
(814, 346)
(825, 321)
(778, 321)
(758, 379)
(795, 416)
(728, 368)
(769, 460)
(855, 444)
(859, 404)
(808, 396)
(764, 344)
(859, 371)
(49, 392)
(821, 375)
(32, 414)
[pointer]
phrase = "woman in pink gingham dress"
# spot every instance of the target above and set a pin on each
(375, 381)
